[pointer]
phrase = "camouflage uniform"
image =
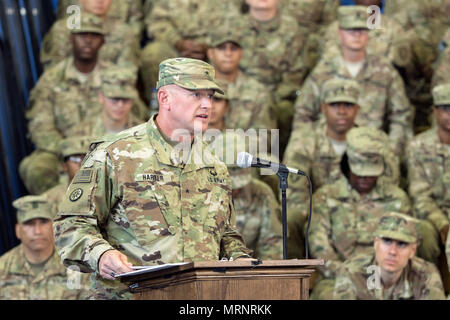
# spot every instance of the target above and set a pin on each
(17, 278)
(383, 102)
(119, 46)
(387, 41)
(95, 128)
(344, 221)
(420, 280)
(257, 212)
(117, 82)
(428, 172)
(428, 21)
(250, 104)
(273, 54)
(135, 194)
(311, 150)
(74, 145)
(256, 206)
(313, 16)
(172, 21)
(59, 102)
(441, 68)
(129, 12)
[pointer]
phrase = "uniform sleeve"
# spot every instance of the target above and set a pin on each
(232, 245)
(55, 45)
(83, 212)
(160, 25)
(344, 288)
(320, 236)
(136, 17)
(420, 190)
(307, 105)
(299, 154)
(400, 114)
(41, 126)
(433, 288)
(264, 116)
(270, 241)
(293, 78)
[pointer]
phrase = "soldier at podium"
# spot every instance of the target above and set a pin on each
(152, 194)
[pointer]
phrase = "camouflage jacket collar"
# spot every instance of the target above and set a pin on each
(365, 73)
(20, 266)
(197, 156)
(71, 74)
(324, 146)
(268, 26)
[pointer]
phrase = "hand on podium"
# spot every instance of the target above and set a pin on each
(113, 263)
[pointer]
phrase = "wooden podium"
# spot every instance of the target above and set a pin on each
(230, 280)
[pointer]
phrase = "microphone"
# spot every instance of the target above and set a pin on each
(246, 160)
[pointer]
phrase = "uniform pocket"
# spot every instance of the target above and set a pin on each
(143, 213)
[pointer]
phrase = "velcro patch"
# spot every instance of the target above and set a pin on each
(83, 176)
(147, 177)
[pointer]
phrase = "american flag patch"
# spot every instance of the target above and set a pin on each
(83, 176)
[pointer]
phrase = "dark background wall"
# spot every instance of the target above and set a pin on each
(23, 24)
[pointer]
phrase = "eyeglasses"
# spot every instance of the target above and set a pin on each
(76, 159)
(116, 101)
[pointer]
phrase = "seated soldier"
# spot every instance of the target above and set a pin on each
(220, 120)
(256, 206)
(382, 99)
(318, 150)
(386, 39)
(273, 52)
(72, 151)
(33, 270)
(313, 17)
(117, 95)
(121, 44)
(250, 103)
(65, 95)
(392, 272)
(428, 157)
(346, 212)
(179, 28)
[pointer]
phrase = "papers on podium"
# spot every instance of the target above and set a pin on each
(146, 269)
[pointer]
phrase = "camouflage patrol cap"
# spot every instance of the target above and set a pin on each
(74, 145)
(89, 23)
(224, 86)
(225, 34)
(32, 207)
(353, 17)
(365, 151)
(398, 226)
(119, 81)
(340, 90)
(441, 94)
(191, 74)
